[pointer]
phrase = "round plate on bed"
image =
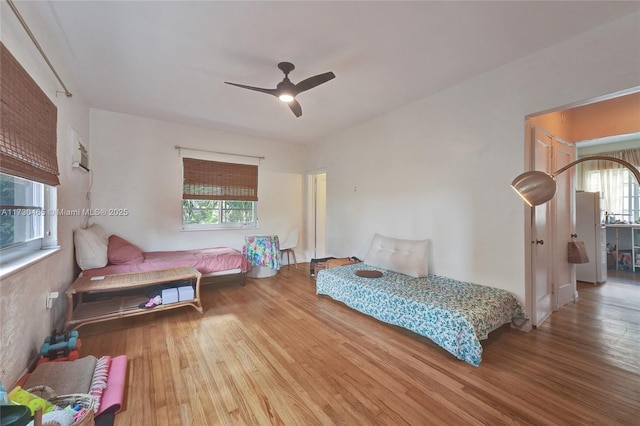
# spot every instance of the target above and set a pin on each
(367, 273)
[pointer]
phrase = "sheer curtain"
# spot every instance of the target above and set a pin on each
(609, 178)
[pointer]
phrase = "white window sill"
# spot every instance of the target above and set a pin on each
(191, 228)
(26, 260)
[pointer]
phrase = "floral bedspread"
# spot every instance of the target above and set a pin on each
(453, 314)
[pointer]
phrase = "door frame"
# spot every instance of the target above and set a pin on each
(529, 293)
(312, 216)
(529, 165)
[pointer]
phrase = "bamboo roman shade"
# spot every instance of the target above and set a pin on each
(214, 180)
(28, 125)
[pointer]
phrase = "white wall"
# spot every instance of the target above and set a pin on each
(441, 168)
(23, 316)
(136, 167)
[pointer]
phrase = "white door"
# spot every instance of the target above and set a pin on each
(564, 274)
(541, 245)
(316, 215)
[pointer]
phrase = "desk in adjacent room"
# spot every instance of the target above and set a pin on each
(263, 252)
(626, 240)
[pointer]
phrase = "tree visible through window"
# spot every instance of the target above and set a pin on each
(217, 212)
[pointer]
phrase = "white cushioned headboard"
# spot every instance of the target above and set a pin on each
(91, 247)
(407, 257)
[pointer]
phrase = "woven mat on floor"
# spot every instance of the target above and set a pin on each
(64, 377)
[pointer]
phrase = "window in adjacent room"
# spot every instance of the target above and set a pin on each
(218, 195)
(620, 192)
(617, 185)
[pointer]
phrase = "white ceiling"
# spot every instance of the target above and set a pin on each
(169, 59)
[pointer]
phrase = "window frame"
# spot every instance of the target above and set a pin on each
(222, 225)
(18, 256)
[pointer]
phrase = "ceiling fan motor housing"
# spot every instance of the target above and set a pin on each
(286, 67)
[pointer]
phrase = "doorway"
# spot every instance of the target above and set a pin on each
(316, 215)
(614, 114)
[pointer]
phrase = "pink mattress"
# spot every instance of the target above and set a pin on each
(206, 261)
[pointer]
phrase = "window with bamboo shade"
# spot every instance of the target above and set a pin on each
(218, 194)
(28, 166)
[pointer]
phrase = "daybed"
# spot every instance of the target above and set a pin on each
(453, 314)
(99, 255)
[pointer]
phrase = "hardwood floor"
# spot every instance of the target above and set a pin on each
(273, 352)
(623, 276)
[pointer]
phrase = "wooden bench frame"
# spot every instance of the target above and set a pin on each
(121, 306)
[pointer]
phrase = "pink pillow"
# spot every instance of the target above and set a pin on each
(122, 252)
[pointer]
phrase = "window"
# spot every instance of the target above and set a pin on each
(218, 212)
(27, 222)
(218, 195)
(28, 167)
(620, 192)
(21, 210)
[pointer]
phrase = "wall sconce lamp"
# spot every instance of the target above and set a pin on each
(536, 187)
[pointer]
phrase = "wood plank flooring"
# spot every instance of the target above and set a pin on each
(273, 352)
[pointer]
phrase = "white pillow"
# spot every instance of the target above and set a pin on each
(407, 257)
(91, 247)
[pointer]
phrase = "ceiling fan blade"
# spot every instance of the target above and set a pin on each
(296, 108)
(273, 92)
(314, 81)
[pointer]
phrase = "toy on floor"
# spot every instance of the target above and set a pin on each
(20, 396)
(60, 347)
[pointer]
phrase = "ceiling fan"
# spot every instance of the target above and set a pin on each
(286, 91)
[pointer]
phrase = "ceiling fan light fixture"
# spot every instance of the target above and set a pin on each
(286, 91)
(286, 97)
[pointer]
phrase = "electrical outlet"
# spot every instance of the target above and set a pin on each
(51, 296)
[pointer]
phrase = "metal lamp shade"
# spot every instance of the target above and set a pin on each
(535, 187)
